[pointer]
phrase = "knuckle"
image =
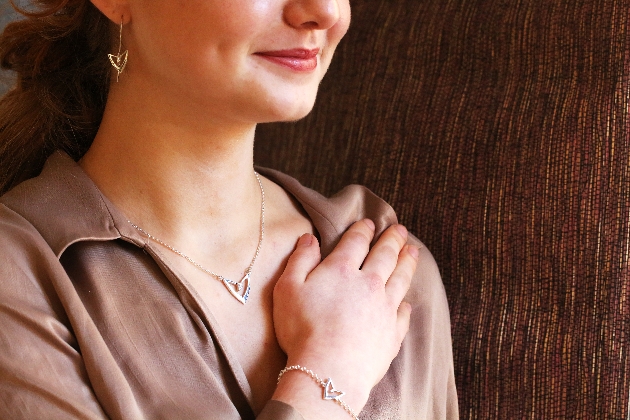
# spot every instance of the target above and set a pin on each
(281, 288)
(385, 255)
(284, 283)
(358, 237)
(346, 269)
(391, 251)
(391, 241)
(362, 228)
(396, 233)
(374, 282)
(342, 265)
(407, 267)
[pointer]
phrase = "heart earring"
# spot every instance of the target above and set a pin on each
(119, 61)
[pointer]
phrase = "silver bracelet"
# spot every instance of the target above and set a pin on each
(330, 393)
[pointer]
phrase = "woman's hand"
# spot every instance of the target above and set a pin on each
(343, 317)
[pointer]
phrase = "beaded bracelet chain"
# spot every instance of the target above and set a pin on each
(330, 393)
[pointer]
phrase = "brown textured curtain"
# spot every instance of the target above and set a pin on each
(498, 130)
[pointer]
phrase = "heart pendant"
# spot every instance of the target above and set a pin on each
(330, 393)
(239, 290)
(119, 61)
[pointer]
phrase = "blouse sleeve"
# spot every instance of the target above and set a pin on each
(277, 410)
(42, 373)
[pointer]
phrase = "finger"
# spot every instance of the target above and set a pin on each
(383, 257)
(400, 280)
(402, 321)
(302, 261)
(354, 244)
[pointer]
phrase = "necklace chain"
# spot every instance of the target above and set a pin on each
(229, 284)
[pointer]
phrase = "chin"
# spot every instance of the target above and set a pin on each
(296, 116)
(289, 112)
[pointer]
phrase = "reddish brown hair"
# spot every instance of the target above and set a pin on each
(58, 52)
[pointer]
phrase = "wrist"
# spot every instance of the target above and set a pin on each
(320, 394)
(349, 378)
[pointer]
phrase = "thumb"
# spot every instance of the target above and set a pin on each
(303, 260)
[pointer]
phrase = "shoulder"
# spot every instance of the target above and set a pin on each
(19, 238)
(29, 264)
(30, 308)
(331, 216)
(26, 260)
(422, 375)
(36, 331)
(62, 204)
(428, 286)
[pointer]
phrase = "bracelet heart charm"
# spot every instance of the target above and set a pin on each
(330, 393)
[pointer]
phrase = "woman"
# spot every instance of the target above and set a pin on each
(160, 276)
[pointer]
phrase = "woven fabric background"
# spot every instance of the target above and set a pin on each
(498, 130)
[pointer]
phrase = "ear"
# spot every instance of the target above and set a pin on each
(115, 10)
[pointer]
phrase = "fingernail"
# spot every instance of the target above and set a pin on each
(305, 240)
(414, 251)
(370, 223)
(402, 230)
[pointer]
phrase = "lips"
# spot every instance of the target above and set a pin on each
(298, 59)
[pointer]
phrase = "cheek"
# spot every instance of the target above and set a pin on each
(338, 31)
(190, 30)
(343, 24)
(335, 34)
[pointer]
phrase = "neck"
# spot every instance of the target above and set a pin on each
(177, 175)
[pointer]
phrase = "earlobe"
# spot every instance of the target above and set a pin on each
(115, 10)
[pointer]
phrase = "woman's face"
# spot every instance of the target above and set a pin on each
(249, 60)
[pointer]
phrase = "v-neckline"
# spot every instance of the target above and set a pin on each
(179, 282)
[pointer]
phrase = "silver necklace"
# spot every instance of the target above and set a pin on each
(238, 289)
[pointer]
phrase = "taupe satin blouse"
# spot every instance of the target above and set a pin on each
(94, 324)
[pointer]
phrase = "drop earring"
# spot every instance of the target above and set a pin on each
(119, 61)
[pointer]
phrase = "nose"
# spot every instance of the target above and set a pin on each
(312, 14)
